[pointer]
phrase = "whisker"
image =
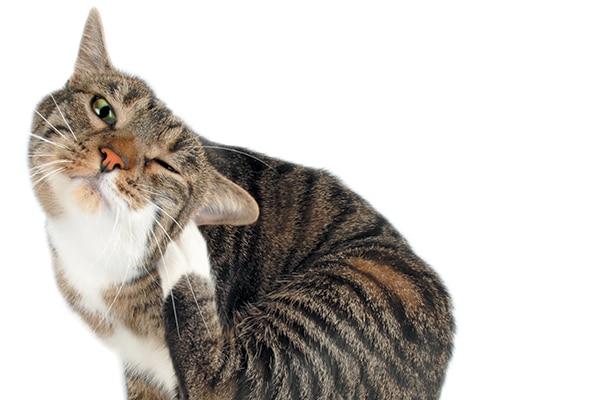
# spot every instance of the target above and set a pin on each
(239, 152)
(47, 176)
(167, 215)
(161, 225)
(109, 309)
(198, 305)
(55, 129)
(145, 189)
(63, 117)
(162, 256)
(47, 173)
(49, 141)
(40, 155)
(186, 276)
(49, 163)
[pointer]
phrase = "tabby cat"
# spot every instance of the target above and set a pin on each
(158, 244)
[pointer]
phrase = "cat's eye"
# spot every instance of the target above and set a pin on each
(103, 110)
(164, 165)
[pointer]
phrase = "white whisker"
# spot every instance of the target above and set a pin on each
(186, 275)
(170, 284)
(159, 224)
(41, 155)
(49, 141)
(162, 256)
(167, 215)
(55, 129)
(41, 167)
(198, 305)
(145, 189)
(47, 176)
(63, 117)
(239, 152)
(104, 317)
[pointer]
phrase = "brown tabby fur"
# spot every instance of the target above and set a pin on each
(316, 297)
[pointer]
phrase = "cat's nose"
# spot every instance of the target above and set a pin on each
(111, 160)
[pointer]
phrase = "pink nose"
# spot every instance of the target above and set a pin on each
(111, 160)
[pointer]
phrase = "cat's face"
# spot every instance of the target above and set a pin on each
(106, 141)
(105, 145)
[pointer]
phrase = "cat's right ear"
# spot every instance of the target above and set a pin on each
(93, 56)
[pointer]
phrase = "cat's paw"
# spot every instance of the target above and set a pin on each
(185, 256)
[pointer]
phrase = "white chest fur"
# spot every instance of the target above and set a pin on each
(100, 250)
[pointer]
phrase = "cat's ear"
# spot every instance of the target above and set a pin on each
(93, 56)
(227, 204)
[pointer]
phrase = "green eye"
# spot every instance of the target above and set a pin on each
(103, 110)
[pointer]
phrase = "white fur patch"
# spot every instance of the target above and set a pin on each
(145, 357)
(186, 255)
(100, 249)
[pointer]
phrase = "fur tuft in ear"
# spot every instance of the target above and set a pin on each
(93, 55)
(227, 204)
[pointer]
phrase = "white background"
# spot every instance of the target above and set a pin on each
(473, 125)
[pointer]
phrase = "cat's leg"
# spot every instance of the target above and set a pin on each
(183, 257)
(193, 330)
(204, 356)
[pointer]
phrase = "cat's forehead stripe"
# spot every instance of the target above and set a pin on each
(132, 96)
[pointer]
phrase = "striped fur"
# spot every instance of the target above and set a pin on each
(316, 296)
(338, 307)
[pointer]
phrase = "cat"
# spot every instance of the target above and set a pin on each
(216, 272)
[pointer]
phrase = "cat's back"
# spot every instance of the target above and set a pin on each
(323, 275)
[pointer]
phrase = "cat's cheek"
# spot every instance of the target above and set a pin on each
(54, 195)
(49, 200)
(185, 256)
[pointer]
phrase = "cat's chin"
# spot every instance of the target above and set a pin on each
(92, 194)
(87, 196)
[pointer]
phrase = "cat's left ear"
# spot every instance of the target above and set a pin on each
(93, 56)
(226, 203)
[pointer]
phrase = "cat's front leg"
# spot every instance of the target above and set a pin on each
(204, 356)
(184, 257)
(193, 330)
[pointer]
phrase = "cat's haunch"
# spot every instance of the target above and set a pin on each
(219, 273)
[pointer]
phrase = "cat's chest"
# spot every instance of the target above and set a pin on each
(100, 250)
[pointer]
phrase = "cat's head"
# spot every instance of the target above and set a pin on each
(105, 144)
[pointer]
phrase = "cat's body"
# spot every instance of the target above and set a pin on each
(317, 296)
(337, 305)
